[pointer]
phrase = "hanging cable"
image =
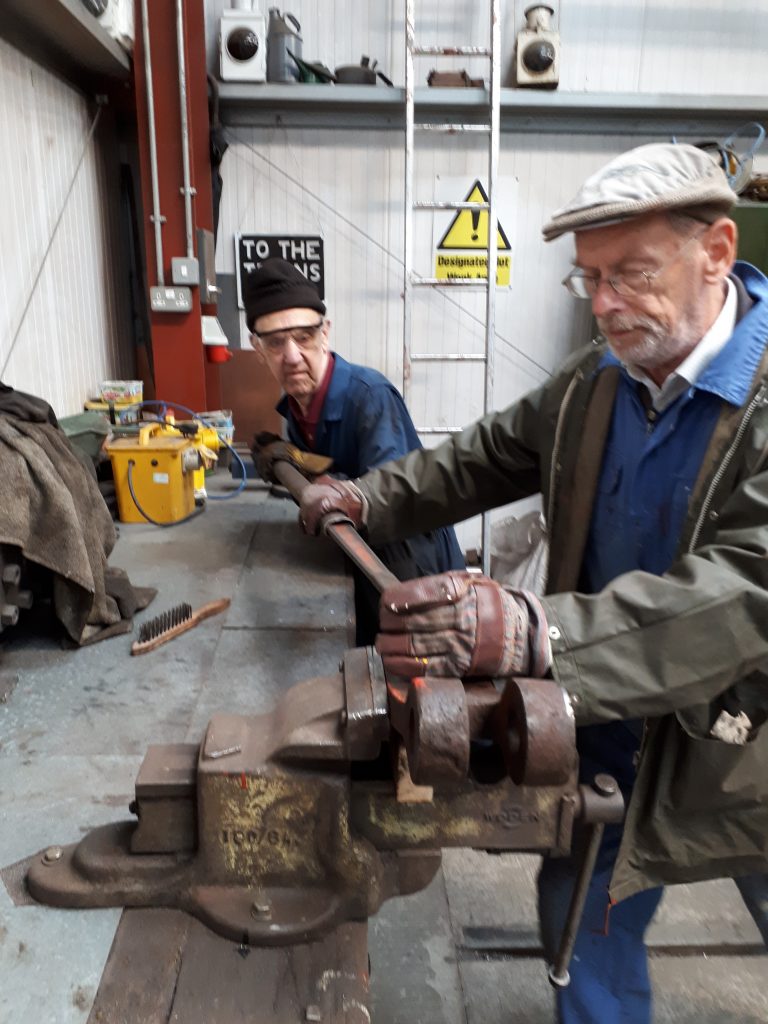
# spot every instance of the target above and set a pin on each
(155, 522)
(44, 260)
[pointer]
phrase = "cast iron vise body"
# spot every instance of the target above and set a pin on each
(280, 826)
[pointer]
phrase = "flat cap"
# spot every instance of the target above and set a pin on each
(661, 176)
(278, 284)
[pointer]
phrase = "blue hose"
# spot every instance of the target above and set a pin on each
(177, 405)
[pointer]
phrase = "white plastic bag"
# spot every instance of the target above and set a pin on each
(520, 552)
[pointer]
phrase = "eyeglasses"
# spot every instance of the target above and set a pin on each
(304, 336)
(628, 284)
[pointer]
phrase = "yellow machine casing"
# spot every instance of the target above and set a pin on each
(162, 473)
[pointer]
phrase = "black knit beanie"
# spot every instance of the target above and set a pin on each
(277, 284)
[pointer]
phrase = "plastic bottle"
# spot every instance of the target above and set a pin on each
(282, 37)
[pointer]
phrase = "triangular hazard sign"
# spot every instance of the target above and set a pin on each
(469, 228)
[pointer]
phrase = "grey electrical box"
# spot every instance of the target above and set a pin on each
(185, 270)
(206, 251)
(165, 299)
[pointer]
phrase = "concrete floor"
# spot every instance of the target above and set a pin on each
(75, 723)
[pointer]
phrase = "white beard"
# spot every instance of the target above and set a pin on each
(655, 346)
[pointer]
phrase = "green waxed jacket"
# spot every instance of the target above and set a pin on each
(673, 649)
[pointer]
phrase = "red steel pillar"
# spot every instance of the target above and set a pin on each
(182, 373)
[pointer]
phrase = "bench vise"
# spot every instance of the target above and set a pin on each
(279, 827)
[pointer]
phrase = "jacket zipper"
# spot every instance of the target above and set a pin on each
(706, 504)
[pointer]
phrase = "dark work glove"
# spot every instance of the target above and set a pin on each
(270, 448)
(326, 495)
(462, 624)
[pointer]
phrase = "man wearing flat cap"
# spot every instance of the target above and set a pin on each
(351, 414)
(651, 451)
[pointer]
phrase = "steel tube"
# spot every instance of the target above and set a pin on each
(493, 219)
(157, 217)
(187, 189)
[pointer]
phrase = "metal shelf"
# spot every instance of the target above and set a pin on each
(64, 37)
(377, 106)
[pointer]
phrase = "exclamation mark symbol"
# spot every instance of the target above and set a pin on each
(475, 224)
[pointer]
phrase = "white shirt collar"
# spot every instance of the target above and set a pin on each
(694, 364)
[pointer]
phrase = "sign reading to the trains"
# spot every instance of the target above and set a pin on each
(462, 249)
(305, 252)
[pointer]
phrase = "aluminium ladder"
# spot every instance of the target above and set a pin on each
(411, 280)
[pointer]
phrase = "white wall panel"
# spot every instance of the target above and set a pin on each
(650, 46)
(348, 185)
(74, 332)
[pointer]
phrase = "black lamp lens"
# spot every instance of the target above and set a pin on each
(242, 44)
(539, 56)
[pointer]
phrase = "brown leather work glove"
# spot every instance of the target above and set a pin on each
(271, 448)
(461, 624)
(329, 495)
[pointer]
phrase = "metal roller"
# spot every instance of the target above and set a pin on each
(536, 731)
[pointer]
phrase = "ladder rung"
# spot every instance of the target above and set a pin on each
(451, 357)
(452, 129)
(439, 430)
(450, 51)
(431, 205)
(451, 282)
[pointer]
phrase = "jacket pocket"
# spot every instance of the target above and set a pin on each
(749, 696)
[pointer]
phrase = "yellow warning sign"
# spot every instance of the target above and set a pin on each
(468, 231)
(456, 265)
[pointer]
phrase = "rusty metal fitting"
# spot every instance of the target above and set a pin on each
(536, 731)
(261, 908)
(605, 784)
(364, 718)
(601, 802)
(437, 740)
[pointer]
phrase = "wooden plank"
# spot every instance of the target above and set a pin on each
(140, 977)
(165, 967)
(324, 981)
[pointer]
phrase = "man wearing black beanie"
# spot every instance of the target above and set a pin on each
(350, 413)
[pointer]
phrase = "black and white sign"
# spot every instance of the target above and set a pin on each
(305, 252)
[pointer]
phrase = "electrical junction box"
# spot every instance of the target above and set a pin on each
(165, 299)
(185, 270)
(242, 47)
(537, 51)
(154, 473)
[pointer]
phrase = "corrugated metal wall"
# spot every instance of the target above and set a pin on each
(72, 335)
(347, 185)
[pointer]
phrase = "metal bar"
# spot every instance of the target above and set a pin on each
(451, 51)
(558, 972)
(342, 533)
(493, 219)
(427, 204)
(408, 200)
(452, 129)
(451, 357)
(439, 430)
(451, 282)
(157, 218)
(187, 190)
